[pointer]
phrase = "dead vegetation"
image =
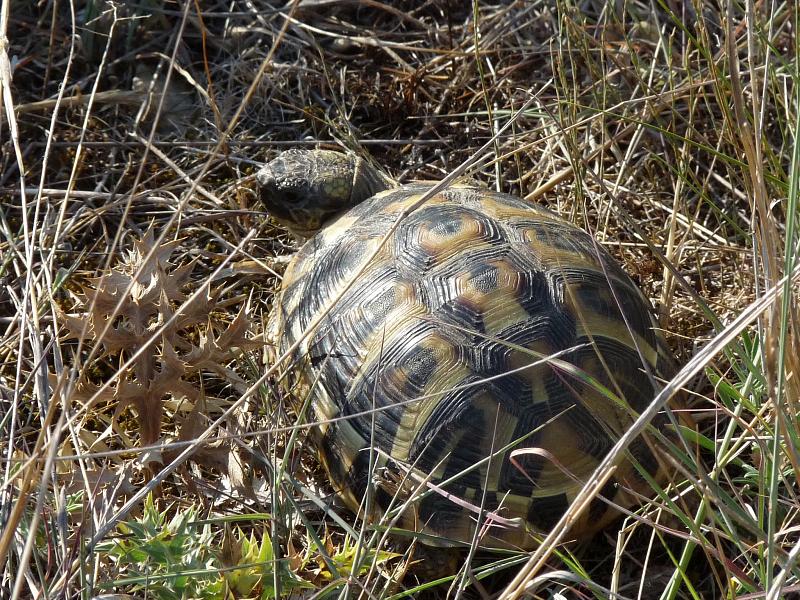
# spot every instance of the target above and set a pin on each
(137, 270)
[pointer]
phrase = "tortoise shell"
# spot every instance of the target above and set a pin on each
(475, 370)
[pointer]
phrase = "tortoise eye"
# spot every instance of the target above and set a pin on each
(291, 197)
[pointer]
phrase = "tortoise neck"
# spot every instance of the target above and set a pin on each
(368, 181)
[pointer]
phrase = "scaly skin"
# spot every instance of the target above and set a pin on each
(305, 189)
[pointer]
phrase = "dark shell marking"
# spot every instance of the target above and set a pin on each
(441, 334)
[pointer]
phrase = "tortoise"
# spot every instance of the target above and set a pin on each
(468, 368)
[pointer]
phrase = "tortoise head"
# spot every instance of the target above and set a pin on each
(304, 189)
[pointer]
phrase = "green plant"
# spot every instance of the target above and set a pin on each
(173, 558)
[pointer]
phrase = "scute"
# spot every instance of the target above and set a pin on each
(436, 233)
(437, 355)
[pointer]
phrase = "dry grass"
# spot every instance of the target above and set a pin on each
(668, 129)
